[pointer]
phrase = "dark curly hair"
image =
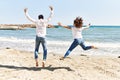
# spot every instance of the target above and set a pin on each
(78, 22)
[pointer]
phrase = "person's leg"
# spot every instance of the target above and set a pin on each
(85, 47)
(37, 43)
(73, 45)
(44, 45)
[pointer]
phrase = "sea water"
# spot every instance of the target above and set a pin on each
(106, 38)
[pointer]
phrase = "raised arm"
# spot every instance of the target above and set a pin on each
(27, 15)
(51, 13)
(65, 26)
(86, 27)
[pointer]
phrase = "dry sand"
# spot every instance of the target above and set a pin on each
(20, 65)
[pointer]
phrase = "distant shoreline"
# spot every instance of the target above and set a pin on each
(15, 26)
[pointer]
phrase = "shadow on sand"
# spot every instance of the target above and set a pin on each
(50, 68)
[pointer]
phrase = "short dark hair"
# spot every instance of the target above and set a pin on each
(41, 17)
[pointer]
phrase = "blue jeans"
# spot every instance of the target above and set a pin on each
(37, 44)
(75, 43)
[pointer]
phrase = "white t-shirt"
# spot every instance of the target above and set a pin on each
(77, 32)
(40, 24)
(41, 27)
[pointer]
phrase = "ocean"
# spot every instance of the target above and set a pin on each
(106, 38)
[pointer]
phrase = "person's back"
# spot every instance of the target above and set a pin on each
(77, 35)
(41, 27)
(41, 23)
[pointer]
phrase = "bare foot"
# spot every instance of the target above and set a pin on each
(43, 64)
(94, 47)
(36, 64)
(62, 58)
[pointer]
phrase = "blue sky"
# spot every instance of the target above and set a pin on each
(96, 12)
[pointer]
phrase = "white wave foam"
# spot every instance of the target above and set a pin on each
(62, 43)
(14, 39)
(60, 46)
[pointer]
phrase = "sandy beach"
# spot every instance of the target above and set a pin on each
(20, 65)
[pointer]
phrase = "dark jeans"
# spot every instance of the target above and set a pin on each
(75, 43)
(37, 44)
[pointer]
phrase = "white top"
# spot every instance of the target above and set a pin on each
(77, 32)
(40, 24)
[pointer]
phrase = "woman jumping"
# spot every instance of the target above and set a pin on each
(77, 29)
